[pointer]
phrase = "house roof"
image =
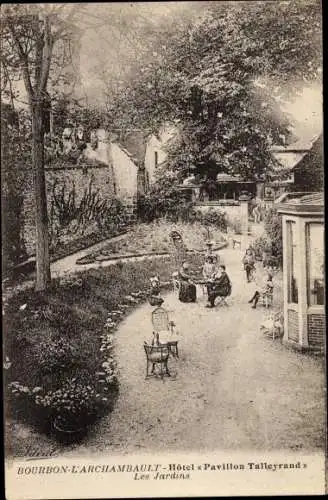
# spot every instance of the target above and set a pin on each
(134, 145)
(128, 154)
(291, 155)
(301, 145)
(298, 203)
(222, 177)
(288, 160)
(309, 199)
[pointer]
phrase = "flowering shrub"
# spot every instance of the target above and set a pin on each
(18, 389)
(55, 355)
(211, 218)
(74, 403)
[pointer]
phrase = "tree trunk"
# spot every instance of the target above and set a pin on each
(43, 276)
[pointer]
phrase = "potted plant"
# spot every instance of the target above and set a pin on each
(72, 408)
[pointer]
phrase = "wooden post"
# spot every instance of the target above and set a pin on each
(244, 221)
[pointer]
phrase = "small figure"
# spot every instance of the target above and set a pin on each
(93, 139)
(80, 138)
(67, 139)
(210, 267)
(249, 264)
(265, 291)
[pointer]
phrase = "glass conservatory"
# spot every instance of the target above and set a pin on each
(304, 269)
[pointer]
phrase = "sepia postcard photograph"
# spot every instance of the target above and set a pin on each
(163, 257)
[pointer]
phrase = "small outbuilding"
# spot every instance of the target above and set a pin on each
(304, 269)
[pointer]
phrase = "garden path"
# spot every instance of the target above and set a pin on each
(231, 389)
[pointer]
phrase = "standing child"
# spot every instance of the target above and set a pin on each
(249, 264)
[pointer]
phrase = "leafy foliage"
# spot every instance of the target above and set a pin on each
(270, 244)
(210, 78)
(273, 228)
(15, 159)
(211, 218)
(71, 217)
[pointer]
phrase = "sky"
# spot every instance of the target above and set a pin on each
(307, 112)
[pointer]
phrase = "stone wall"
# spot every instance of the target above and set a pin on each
(81, 177)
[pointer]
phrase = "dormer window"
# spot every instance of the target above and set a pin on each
(156, 159)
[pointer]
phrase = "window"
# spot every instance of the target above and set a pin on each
(315, 264)
(292, 263)
(156, 158)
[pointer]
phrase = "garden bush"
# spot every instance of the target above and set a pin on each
(273, 229)
(210, 218)
(270, 244)
(71, 220)
(15, 156)
(172, 207)
(261, 246)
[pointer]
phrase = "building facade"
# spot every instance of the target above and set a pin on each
(304, 270)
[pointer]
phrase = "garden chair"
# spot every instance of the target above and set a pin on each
(267, 299)
(163, 328)
(273, 325)
(222, 299)
(157, 355)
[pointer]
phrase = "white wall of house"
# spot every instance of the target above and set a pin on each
(122, 169)
(125, 172)
(155, 151)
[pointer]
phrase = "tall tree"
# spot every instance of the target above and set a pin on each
(211, 76)
(36, 43)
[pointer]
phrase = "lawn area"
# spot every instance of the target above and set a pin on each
(60, 346)
(155, 238)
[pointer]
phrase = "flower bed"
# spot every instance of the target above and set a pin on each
(84, 242)
(60, 369)
(154, 238)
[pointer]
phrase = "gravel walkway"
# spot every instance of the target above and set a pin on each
(232, 388)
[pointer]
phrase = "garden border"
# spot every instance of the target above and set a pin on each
(133, 256)
(28, 265)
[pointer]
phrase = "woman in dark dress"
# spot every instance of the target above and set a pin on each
(187, 290)
(219, 286)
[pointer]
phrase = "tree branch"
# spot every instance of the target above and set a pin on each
(38, 54)
(24, 63)
(47, 52)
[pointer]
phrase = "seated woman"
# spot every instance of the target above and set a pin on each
(265, 290)
(210, 267)
(220, 286)
(187, 290)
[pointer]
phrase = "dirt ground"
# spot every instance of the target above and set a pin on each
(232, 388)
